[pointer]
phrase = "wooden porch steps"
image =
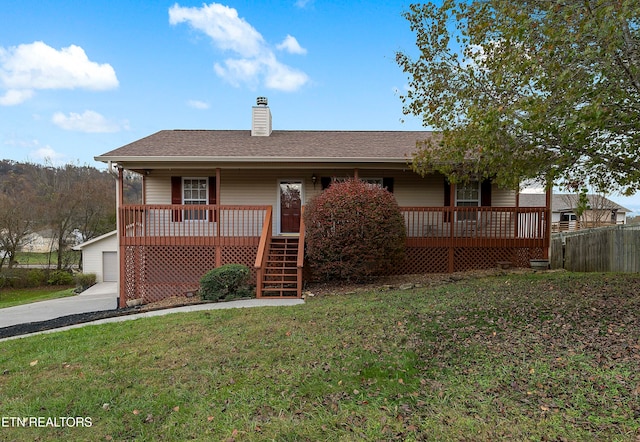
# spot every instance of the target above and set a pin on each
(280, 277)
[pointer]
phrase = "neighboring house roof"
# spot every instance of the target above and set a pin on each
(281, 146)
(564, 202)
(95, 240)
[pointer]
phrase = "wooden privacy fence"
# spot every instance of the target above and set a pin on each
(605, 249)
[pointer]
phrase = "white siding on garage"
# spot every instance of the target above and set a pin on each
(93, 253)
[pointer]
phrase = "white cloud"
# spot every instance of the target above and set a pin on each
(303, 3)
(291, 45)
(14, 96)
(36, 152)
(29, 67)
(282, 77)
(89, 121)
(239, 70)
(196, 104)
(254, 60)
(222, 24)
(47, 154)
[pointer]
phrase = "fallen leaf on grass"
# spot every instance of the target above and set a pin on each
(33, 363)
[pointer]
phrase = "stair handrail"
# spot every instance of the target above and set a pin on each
(300, 263)
(301, 240)
(263, 250)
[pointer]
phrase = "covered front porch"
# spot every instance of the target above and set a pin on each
(165, 249)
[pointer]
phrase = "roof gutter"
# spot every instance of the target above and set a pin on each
(174, 159)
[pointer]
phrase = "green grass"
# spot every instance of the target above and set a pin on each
(37, 258)
(33, 258)
(12, 297)
(548, 356)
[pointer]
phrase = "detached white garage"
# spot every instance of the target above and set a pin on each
(100, 256)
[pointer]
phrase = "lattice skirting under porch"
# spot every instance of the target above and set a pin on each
(154, 273)
(436, 259)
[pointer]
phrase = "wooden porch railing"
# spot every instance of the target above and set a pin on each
(243, 225)
(191, 224)
(263, 250)
(476, 226)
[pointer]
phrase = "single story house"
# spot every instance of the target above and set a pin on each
(43, 241)
(100, 256)
(212, 197)
(601, 211)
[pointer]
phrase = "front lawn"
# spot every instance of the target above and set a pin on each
(546, 356)
(11, 297)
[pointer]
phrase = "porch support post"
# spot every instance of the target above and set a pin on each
(356, 175)
(452, 202)
(218, 186)
(547, 222)
(517, 220)
(122, 302)
(218, 248)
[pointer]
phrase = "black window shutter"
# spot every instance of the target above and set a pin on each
(485, 193)
(387, 183)
(325, 182)
(447, 200)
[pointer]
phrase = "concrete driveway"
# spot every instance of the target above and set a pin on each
(103, 296)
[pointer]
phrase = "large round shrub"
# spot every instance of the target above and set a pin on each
(354, 230)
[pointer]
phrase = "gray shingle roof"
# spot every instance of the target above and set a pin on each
(567, 201)
(239, 145)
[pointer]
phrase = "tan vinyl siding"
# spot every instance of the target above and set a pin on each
(157, 184)
(502, 197)
(260, 187)
(409, 188)
(252, 187)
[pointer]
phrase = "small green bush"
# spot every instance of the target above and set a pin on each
(18, 278)
(60, 277)
(84, 281)
(36, 278)
(227, 282)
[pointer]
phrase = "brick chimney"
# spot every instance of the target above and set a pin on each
(261, 118)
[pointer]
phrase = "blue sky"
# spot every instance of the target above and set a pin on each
(80, 78)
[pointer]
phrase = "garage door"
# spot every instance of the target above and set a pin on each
(109, 266)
